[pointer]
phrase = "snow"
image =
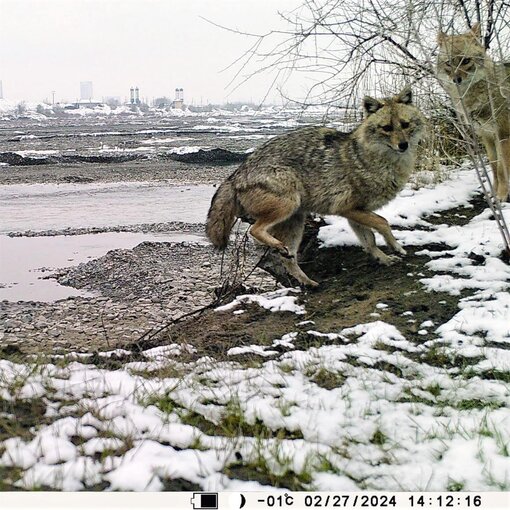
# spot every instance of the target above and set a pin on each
(251, 349)
(423, 442)
(36, 152)
(390, 422)
(284, 116)
(278, 301)
(160, 141)
(225, 128)
(189, 149)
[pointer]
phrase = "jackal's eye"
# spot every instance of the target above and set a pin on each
(465, 61)
(404, 125)
(387, 128)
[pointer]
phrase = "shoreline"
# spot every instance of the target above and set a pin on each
(153, 171)
(137, 290)
(145, 228)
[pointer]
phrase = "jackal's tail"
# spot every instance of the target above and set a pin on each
(222, 215)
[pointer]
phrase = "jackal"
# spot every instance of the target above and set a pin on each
(480, 91)
(324, 171)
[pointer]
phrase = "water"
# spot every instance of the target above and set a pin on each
(58, 206)
(25, 260)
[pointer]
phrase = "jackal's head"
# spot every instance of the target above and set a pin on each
(461, 58)
(393, 123)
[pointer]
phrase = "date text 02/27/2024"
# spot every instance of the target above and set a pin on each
(373, 501)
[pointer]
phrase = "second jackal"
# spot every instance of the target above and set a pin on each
(480, 91)
(324, 171)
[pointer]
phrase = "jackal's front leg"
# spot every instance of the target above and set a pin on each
(503, 169)
(360, 220)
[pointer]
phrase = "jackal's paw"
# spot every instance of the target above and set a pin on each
(308, 282)
(388, 260)
(502, 191)
(398, 249)
(503, 197)
(284, 252)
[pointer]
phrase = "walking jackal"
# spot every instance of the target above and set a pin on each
(322, 170)
(480, 91)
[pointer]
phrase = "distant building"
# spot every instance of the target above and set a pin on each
(84, 103)
(112, 101)
(86, 91)
(162, 102)
(134, 95)
(1, 90)
(179, 99)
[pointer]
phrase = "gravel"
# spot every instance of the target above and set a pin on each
(134, 291)
(169, 171)
(137, 291)
(171, 226)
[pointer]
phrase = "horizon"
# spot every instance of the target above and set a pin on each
(157, 46)
(144, 100)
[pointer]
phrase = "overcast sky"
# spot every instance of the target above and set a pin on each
(158, 45)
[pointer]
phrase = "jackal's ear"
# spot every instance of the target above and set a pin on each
(371, 105)
(441, 36)
(476, 31)
(405, 96)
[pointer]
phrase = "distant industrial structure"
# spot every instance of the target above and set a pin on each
(165, 102)
(134, 95)
(179, 99)
(112, 101)
(86, 93)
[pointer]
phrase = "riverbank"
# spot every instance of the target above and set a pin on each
(133, 292)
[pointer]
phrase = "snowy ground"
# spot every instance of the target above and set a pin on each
(368, 409)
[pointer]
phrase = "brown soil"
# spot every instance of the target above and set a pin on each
(349, 292)
(352, 284)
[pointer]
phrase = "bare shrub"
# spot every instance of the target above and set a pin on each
(349, 48)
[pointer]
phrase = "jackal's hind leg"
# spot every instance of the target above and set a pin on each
(290, 233)
(269, 209)
(259, 231)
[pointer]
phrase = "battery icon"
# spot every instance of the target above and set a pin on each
(204, 500)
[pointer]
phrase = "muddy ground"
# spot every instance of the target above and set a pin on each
(178, 298)
(351, 287)
(140, 292)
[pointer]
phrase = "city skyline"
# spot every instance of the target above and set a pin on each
(84, 95)
(53, 45)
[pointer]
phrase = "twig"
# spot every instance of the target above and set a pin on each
(150, 334)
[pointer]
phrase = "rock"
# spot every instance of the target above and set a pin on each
(14, 159)
(77, 178)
